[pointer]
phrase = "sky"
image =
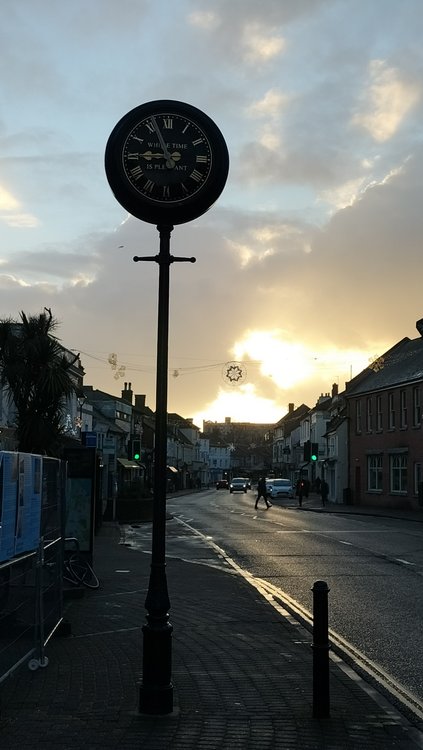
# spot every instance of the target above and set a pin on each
(308, 266)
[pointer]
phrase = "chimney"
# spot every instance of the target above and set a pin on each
(334, 390)
(290, 408)
(127, 393)
(419, 326)
(139, 401)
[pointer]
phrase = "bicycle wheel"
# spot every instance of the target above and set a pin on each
(82, 572)
(68, 575)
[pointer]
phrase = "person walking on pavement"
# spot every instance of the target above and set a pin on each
(324, 491)
(262, 492)
(299, 491)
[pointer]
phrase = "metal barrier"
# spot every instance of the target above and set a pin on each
(17, 612)
(32, 496)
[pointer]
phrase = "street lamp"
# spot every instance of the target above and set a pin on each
(81, 401)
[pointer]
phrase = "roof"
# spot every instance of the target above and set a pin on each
(295, 415)
(130, 464)
(401, 364)
(334, 423)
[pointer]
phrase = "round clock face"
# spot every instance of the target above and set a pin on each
(166, 162)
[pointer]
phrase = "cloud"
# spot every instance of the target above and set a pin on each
(261, 44)
(388, 101)
(11, 213)
(206, 19)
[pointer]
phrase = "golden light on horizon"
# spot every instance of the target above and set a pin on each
(288, 366)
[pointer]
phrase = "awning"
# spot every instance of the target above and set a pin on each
(130, 464)
(172, 468)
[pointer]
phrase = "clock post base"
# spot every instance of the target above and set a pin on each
(156, 689)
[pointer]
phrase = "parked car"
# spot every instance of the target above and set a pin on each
(238, 484)
(280, 488)
(222, 484)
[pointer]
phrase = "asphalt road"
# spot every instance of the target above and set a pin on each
(373, 566)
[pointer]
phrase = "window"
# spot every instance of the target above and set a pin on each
(374, 473)
(358, 416)
(417, 412)
(379, 414)
(391, 411)
(403, 409)
(369, 415)
(398, 473)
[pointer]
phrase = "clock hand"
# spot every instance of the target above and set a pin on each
(169, 161)
(148, 155)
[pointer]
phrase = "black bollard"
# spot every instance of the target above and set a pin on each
(321, 646)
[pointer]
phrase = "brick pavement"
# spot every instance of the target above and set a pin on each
(242, 673)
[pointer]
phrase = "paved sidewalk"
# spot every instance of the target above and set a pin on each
(314, 503)
(242, 673)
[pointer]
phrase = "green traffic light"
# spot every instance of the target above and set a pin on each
(313, 457)
(136, 456)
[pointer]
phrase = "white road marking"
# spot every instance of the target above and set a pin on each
(404, 562)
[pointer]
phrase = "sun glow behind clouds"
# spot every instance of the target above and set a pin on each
(10, 213)
(289, 365)
(285, 362)
(242, 405)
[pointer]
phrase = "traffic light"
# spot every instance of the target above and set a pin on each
(136, 450)
(314, 452)
(307, 450)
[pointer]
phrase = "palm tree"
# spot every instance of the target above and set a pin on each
(35, 370)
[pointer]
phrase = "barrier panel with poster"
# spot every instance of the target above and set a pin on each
(8, 503)
(80, 499)
(32, 490)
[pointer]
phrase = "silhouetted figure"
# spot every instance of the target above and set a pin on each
(299, 491)
(262, 492)
(324, 491)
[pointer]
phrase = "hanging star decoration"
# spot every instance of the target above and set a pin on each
(376, 363)
(234, 373)
(119, 370)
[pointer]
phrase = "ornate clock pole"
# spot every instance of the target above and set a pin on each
(156, 692)
(166, 162)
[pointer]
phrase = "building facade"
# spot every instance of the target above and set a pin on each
(385, 428)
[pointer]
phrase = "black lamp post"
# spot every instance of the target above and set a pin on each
(81, 401)
(156, 692)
